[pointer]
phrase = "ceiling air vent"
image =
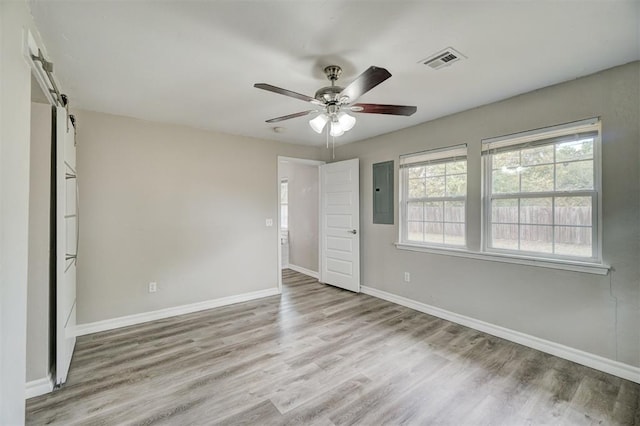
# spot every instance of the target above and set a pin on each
(444, 58)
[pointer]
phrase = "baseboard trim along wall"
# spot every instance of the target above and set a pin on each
(597, 362)
(110, 324)
(38, 387)
(304, 271)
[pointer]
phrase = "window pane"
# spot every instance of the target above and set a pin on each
(457, 167)
(433, 211)
(434, 170)
(536, 210)
(454, 234)
(415, 231)
(506, 159)
(505, 181)
(504, 211)
(417, 188)
(454, 211)
(537, 178)
(573, 211)
(554, 223)
(574, 241)
(435, 186)
(504, 236)
(537, 155)
(456, 185)
(416, 172)
(430, 189)
(536, 238)
(415, 211)
(434, 233)
(574, 176)
(284, 192)
(578, 150)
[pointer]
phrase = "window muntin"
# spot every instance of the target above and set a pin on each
(541, 195)
(433, 204)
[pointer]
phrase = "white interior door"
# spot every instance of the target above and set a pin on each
(340, 224)
(66, 243)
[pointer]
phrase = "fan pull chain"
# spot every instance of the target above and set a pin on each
(327, 127)
(333, 147)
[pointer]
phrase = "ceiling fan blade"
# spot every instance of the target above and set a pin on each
(287, 117)
(281, 91)
(384, 109)
(365, 82)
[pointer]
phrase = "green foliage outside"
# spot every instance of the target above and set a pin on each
(438, 180)
(536, 170)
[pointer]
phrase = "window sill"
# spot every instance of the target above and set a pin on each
(589, 268)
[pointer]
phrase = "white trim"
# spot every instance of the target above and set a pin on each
(588, 268)
(110, 324)
(38, 387)
(306, 161)
(305, 271)
(597, 362)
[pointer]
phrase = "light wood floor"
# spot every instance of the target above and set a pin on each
(323, 356)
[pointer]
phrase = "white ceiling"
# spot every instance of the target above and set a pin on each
(195, 62)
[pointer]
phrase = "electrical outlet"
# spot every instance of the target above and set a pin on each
(407, 277)
(269, 222)
(153, 287)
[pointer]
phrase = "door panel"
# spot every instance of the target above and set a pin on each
(66, 243)
(340, 224)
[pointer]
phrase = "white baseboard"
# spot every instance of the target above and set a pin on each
(110, 324)
(38, 387)
(305, 271)
(597, 362)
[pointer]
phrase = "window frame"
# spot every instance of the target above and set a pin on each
(553, 135)
(404, 165)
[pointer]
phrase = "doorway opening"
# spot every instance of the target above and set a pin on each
(298, 216)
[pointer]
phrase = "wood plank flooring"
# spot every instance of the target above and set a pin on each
(318, 355)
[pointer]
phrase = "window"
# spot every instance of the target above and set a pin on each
(433, 188)
(541, 192)
(284, 204)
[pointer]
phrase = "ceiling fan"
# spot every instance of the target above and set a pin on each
(333, 103)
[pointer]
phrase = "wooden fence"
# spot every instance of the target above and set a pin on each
(572, 224)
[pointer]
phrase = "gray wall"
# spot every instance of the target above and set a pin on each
(303, 216)
(185, 208)
(38, 278)
(597, 314)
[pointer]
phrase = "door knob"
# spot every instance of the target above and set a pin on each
(353, 231)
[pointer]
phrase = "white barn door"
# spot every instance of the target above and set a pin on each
(66, 242)
(340, 224)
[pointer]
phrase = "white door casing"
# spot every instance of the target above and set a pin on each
(340, 224)
(66, 242)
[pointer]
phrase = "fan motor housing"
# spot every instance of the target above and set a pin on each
(328, 94)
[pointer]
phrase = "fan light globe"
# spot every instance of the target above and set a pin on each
(318, 123)
(346, 121)
(336, 129)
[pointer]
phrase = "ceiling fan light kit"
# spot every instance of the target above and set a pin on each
(334, 102)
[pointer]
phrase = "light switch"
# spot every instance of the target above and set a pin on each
(269, 222)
